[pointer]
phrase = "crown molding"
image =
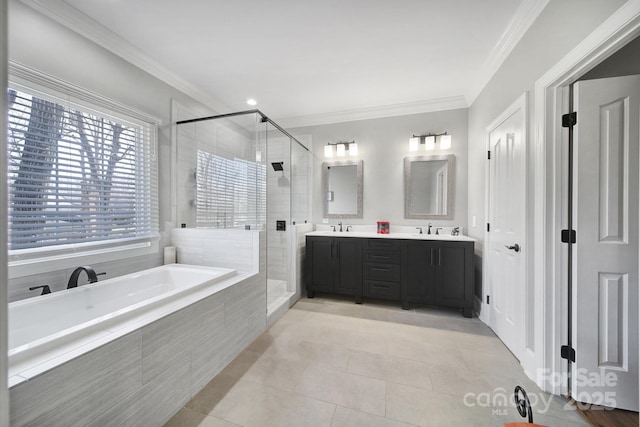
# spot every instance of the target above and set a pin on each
(519, 25)
(426, 106)
(73, 19)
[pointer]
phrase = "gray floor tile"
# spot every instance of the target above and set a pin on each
(331, 362)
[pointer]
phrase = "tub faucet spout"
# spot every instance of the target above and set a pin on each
(91, 274)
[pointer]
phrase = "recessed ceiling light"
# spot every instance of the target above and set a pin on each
(252, 101)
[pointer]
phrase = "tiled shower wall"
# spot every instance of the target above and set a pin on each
(287, 199)
(218, 247)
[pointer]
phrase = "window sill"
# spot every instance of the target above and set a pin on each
(47, 263)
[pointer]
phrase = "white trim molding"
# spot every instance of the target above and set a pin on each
(66, 15)
(426, 106)
(519, 25)
(550, 95)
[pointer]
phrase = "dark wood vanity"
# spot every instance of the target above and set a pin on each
(411, 270)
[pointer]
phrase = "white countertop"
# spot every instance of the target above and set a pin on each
(374, 235)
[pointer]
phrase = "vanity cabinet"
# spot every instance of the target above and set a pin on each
(334, 265)
(436, 272)
(382, 273)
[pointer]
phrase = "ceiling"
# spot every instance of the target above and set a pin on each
(308, 62)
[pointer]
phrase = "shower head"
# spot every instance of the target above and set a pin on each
(277, 166)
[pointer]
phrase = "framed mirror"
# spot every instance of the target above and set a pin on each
(342, 189)
(429, 187)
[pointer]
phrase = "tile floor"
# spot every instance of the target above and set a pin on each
(330, 362)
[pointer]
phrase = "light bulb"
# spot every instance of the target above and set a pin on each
(353, 149)
(414, 143)
(340, 150)
(445, 142)
(429, 142)
(328, 151)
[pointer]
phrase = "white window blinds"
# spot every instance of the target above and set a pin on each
(77, 176)
(230, 193)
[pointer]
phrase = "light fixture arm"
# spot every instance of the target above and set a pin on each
(422, 137)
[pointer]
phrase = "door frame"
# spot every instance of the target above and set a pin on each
(519, 106)
(547, 268)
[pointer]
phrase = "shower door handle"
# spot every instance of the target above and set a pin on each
(515, 247)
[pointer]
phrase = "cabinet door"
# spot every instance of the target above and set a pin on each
(348, 278)
(451, 282)
(418, 272)
(319, 275)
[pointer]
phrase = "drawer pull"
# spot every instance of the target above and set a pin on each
(381, 286)
(380, 269)
(380, 257)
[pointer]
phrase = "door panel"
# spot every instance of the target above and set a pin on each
(348, 278)
(505, 266)
(451, 288)
(606, 262)
(320, 267)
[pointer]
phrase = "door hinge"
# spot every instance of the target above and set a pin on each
(568, 353)
(568, 236)
(489, 155)
(569, 120)
(487, 299)
(488, 227)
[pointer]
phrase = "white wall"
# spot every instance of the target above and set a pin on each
(4, 346)
(557, 30)
(43, 44)
(382, 145)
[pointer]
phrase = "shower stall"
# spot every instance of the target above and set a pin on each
(242, 171)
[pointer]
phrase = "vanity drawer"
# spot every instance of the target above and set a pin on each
(382, 244)
(382, 257)
(379, 289)
(382, 272)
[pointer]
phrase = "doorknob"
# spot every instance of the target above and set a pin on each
(515, 247)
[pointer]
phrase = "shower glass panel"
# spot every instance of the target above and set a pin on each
(221, 179)
(242, 171)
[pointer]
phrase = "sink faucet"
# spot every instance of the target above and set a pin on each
(420, 229)
(91, 274)
(349, 228)
(429, 229)
(438, 230)
(340, 225)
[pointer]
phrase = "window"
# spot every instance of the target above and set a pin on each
(229, 192)
(80, 177)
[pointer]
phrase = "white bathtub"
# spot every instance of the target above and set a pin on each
(48, 330)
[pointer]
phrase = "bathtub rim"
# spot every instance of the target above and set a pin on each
(27, 364)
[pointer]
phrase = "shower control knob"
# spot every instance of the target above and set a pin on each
(515, 247)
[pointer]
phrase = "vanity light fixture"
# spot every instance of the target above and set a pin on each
(429, 140)
(342, 148)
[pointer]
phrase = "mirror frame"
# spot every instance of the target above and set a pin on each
(450, 158)
(325, 188)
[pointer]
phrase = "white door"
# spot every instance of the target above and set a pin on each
(606, 264)
(507, 224)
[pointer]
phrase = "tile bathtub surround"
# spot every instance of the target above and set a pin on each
(329, 362)
(145, 377)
